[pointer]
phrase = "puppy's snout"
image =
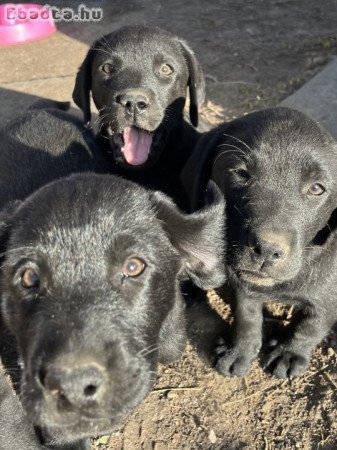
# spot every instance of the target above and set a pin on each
(268, 249)
(77, 386)
(134, 101)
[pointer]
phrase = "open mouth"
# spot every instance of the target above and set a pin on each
(135, 144)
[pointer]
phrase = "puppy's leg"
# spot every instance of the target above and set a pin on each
(172, 339)
(291, 358)
(236, 361)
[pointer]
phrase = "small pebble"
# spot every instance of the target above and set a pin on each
(212, 437)
(172, 394)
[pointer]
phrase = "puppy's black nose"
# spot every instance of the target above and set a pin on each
(134, 101)
(268, 249)
(78, 386)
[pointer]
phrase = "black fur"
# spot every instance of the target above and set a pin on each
(282, 243)
(41, 145)
(89, 336)
(135, 55)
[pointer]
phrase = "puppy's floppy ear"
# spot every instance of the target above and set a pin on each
(197, 170)
(196, 82)
(198, 237)
(81, 92)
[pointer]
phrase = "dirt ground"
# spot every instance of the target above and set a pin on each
(192, 407)
(254, 54)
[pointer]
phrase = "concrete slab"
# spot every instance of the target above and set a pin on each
(58, 55)
(40, 69)
(318, 98)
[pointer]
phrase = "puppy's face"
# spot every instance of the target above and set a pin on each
(138, 78)
(89, 281)
(278, 171)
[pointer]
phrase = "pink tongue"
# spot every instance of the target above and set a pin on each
(137, 144)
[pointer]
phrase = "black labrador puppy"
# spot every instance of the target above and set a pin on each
(90, 279)
(138, 76)
(90, 289)
(278, 172)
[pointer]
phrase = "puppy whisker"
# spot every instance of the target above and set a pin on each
(238, 211)
(238, 140)
(148, 350)
(227, 151)
(238, 150)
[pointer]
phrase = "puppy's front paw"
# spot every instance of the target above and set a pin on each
(285, 362)
(232, 361)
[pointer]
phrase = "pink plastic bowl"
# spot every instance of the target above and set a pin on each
(23, 23)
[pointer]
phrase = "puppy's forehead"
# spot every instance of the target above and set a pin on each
(140, 42)
(282, 139)
(296, 148)
(86, 210)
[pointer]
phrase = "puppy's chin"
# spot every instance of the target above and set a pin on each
(256, 279)
(80, 430)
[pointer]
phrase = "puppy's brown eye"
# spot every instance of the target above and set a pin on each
(30, 279)
(107, 68)
(165, 70)
(316, 189)
(133, 267)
